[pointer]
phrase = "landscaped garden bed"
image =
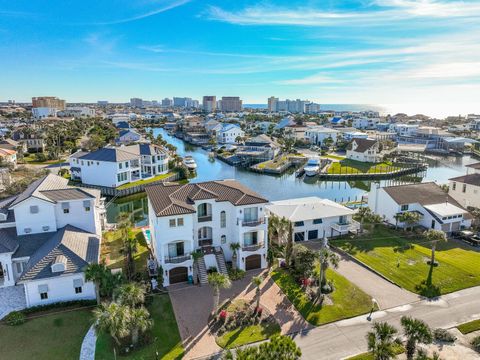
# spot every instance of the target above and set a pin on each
(403, 257)
(240, 322)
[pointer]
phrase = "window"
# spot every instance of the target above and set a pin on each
(120, 166)
(66, 211)
(223, 239)
(251, 214)
(223, 219)
(454, 186)
(78, 290)
(44, 296)
(250, 238)
(404, 207)
(34, 209)
(464, 188)
(317, 221)
(126, 165)
(122, 177)
(180, 222)
(172, 222)
(43, 291)
(176, 249)
(299, 223)
(87, 208)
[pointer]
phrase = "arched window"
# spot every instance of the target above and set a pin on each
(223, 219)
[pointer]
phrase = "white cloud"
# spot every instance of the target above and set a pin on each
(317, 79)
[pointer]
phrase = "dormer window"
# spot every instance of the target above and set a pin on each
(34, 209)
(59, 264)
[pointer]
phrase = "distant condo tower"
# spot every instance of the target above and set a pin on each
(209, 103)
(231, 104)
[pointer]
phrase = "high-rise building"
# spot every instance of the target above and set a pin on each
(136, 102)
(312, 108)
(167, 102)
(231, 104)
(184, 102)
(47, 106)
(102, 102)
(209, 103)
(272, 104)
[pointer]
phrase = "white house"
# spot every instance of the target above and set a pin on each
(350, 135)
(48, 234)
(404, 129)
(365, 123)
(466, 189)
(437, 209)
(115, 166)
(206, 217)
(314, 218)
(318, 134)
(229, 133)
(128, 136)
(365, 150)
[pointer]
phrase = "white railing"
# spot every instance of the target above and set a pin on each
(351, 225)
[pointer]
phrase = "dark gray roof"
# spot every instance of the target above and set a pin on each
(423, 193)
(472, 179)
(175, 199)
(67, 194)
(78, 154)
(79, 247)
(109, 154)
(362, 145)
(144, 149)
(8, 241)
(474, 165)
(28, 244)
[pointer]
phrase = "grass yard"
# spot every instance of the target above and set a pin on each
(404, 261)
(273, 164)
(399, 349)
(334, 157)
(111, 251)
(247, 335)
(146, 181)
(46, 337)
(348, 300)
(348, 166)
(469, 327)
(31, 159)
(166, 338)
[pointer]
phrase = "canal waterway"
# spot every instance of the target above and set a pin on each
(282, 187)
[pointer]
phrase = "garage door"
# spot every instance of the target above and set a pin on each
(178, 274)
(253, 262)
(313, 235)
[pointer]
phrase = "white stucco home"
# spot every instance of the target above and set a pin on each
(466, 189)
(206, 217)
(128, 136)
(229, 133)
(48, 235)
(314, 218)
(318, 134)
(116, 166)
(437, 209)
(365, 150)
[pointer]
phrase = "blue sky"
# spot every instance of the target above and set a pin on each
(367, 51)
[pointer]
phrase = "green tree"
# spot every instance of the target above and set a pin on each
(139, 321)
(381, 341)
(234, 247)
(362, 215)
(96, 273)
(416, 332)
(131, 294)
(304, 261)
(256, 282)
(218, 281)
(289, 245)
(434, 237)
(112, 319)
(130, 243)
(327, 258)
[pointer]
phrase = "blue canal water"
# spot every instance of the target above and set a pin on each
(279, 187)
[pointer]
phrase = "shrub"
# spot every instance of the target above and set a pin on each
(59, 305)
(236, 274)
(476, 343)
(443, 335)
(40, 157)
(15, 318)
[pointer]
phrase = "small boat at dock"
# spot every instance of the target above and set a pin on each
(312, 167)
(190, 163)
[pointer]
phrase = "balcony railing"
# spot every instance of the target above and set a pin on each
(177, 259)
(253, 222)
(205, 242)
(346, 226)
(205, 218)
(253, 247)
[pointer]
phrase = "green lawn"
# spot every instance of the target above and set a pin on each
(347, 166)
(399, 349)
(273, 164)
(31, 159)
(247, 335)
(334, 157)
(46, 337)
(166, 338)
(469, 327)
(404, 261)
(348, 300)
(112, 249)
(146, 181)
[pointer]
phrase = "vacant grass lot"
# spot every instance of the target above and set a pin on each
(166, 338)
(348, 300)
(112, 246)
(469, 327)
(46, 337)
(404, 261)
(347, 166)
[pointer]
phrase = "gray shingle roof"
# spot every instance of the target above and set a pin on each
(79, 247)
(472, 179)
(67, 194)
(144, 149)
(175, 199)
(8, 242)
(109, 154)
(362, 144)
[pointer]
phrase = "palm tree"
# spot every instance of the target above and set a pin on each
(218, 281)
(112, 319)
(96, 273)
(381, 341)
(138, 321)
(289, 246)
(196, 256)
(124, 222)
(363, 214)
(416, 331)
(257, 281)
(131, 294)
(435, 236)
(326, 258)
(412, 218)
(234, 247)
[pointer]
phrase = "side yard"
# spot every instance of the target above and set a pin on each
(112, 245)
(404, 259)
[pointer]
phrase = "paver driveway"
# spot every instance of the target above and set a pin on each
(193, 304)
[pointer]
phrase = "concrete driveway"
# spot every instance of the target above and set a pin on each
(193, 304)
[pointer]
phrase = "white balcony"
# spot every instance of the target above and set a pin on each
(349, 226)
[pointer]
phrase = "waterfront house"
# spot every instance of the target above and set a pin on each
(128, 136)
(365, 150)
(314, 218)
(48, 234)
(350, 135)
(229, 133)
(438, 210)
(365, 123)
(316, 135)
(258, 149)
(206, 217)
(466, 189)
(116, 166)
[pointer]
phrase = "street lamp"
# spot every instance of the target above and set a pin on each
(374, 303)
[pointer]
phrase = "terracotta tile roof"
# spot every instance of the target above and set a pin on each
(175, 199)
